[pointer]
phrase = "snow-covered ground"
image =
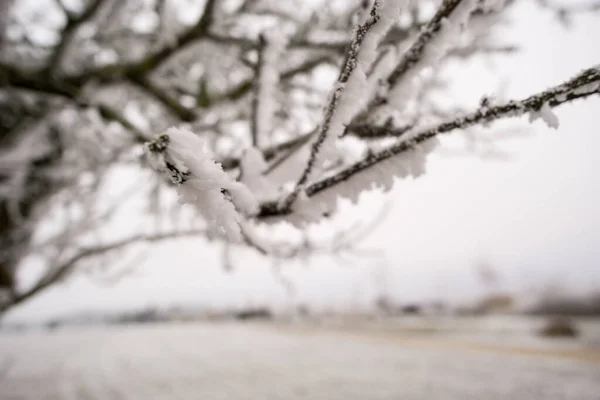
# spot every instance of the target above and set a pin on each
(294, 361)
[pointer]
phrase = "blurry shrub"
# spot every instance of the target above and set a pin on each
(412, 309)
(494, 303)
(559, 327)
(259, 313)
(567, 305)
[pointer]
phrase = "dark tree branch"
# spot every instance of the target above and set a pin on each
(244, 87)
(152, 89)
(12, 77)
(57, 273)
(68, 34)
(366, 131)
(111, 114)
(154, 58)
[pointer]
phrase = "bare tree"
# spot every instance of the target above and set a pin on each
(85, 86)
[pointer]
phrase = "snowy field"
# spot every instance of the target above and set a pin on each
(294, 361)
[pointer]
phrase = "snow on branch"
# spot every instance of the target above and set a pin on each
(180, 155)
(416, 51)
(431, 45)
(406, 157)
(345, 100)
(271, 45)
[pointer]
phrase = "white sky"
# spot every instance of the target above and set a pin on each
(535, 217)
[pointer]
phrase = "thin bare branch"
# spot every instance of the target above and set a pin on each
(59, 272)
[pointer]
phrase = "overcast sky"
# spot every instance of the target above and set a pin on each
(534, 216)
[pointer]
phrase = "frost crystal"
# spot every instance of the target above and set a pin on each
(546, 114)
(180, 154)
(252, 167)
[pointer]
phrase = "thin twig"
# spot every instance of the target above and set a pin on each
(68, 34)
(59, 272)
(349, 67)
(415, 53)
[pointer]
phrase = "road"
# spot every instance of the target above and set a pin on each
(262, 361)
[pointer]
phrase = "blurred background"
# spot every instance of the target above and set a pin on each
(486, 267)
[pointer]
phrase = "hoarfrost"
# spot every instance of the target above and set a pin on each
(253, 167)
(547, 115)
(202, 182)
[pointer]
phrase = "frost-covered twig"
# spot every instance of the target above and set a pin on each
(368, 131)
(434, 41)
(267, 78)
(416, 51)
(344, 102)
(200, 181)
(585, 84)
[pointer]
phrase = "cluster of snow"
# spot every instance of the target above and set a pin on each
(546, 114)
(348, 97)
(443, 41)
(268, 78)
(379, 175)
(253, 167)
(180, 154)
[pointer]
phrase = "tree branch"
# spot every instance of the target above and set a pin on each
(244, 87)
(30, 80)
(154, 58)
(68, 34)
(367, 131)
(415, 53)
(585, 84)
(351, 63)
(146, 84)
(270, 152)
(57, 273)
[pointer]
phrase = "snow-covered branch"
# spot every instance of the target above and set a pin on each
(267, 77)
(180, 155)
(285, 135)
(344, 101)
(407, 156)
(435, 40)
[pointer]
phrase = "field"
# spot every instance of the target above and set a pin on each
(412, 359)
